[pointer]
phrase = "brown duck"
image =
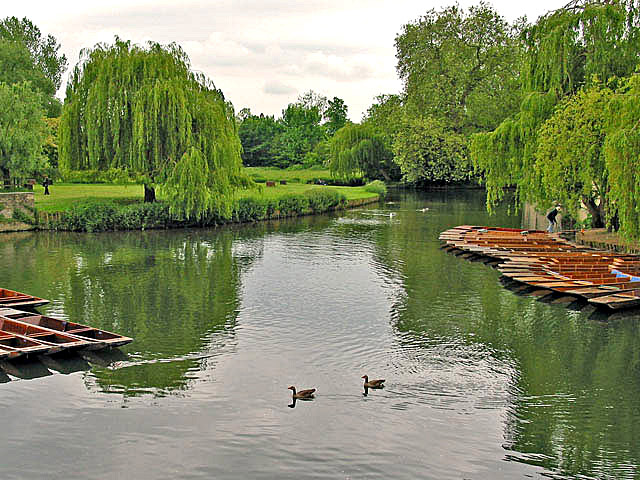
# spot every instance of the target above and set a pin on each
(302, 394)
(373, 383)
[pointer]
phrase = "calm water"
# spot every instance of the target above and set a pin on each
(482, 383)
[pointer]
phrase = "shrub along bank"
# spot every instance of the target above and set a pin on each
(104, 215)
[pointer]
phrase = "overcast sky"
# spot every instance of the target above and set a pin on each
(261, 53)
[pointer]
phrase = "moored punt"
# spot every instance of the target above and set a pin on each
(618, 300)
(42, 335)
(94, 338)
(18, 346)
(11, 298)
(547, 263)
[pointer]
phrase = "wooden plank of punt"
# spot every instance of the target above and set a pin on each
(13, 298)
(602, 290)
(96, 338)
(616, 301)
(20, 345)
(42, 335)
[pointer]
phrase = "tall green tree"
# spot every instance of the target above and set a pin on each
(567, 49)
(460, 66)
(22, 130)
(144, 110)
(385, 115)
(429, 152)
(258, 134)
(42, 63)
(301, 129)
(570, 161)
(356, 150)
(622, 150)
(335, 116)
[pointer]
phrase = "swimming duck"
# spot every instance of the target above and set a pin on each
(425, 209)
(373, 383)
(302, 394)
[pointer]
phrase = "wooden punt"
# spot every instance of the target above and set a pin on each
(548, 263)
(603, 290)
(11, 298)
(18, 346)
(618, 300)
(95, 338)
(43, 335)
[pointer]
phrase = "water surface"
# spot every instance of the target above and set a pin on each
(482, 383)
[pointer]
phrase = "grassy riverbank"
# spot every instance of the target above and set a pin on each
(64, 196)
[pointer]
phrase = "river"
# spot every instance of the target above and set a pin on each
(481, 382)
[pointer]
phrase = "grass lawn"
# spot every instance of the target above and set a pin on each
(290, 175)
(63, 195)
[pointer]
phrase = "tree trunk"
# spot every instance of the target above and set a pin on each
(6, 178)
(386, 176)
(596, 211)
(149, 194)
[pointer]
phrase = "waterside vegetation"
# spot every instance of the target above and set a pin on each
(548, 108)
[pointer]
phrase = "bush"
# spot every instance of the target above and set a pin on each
(325, 200)
(99, 215)
(290, 205)
(250, 209)
(377, 186)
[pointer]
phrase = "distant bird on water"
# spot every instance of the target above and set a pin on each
(373, 383)
(302, 394)
(425, 209)
(392, 214)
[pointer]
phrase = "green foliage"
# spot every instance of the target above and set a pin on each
(26, 56)
(22, 130)
(335, 116)
(357, 150)
(19, 215)
(385, 117)
(115, 176)
(570, 162)
(145, 111)
(427, 152)
(301, 132)
(377, 186)
(460, 66)
(566, 50)
(101, 216)
(44, 51)
(258, 135)
(104, 215)
(325, 200)
(622, 150)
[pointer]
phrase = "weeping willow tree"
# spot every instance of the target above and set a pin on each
(622, 151)
(357, 150)
(144, 111)
(570, 159)
(565, 50)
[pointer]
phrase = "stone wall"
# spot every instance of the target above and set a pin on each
(9, 203)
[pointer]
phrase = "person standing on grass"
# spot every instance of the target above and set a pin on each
(551, 216)
(45, 183)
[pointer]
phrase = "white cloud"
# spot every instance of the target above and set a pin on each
(276, 87)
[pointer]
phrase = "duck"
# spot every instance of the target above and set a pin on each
(302, 394)
(425, 209)
(373, 383)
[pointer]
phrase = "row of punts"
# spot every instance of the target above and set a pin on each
(25, 333)
(547, 263)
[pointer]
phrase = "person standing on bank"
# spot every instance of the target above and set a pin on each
(45, 183)
(551, 216)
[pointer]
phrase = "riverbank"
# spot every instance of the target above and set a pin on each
(602, 239)
(95, 208)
